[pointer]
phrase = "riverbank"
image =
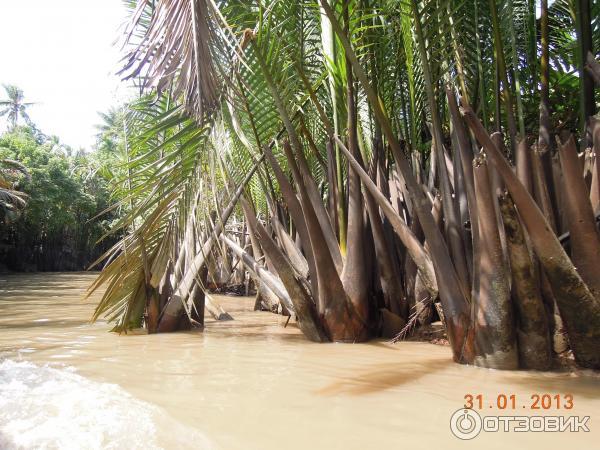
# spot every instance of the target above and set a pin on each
(252, 384)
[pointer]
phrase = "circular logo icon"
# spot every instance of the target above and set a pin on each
(465, 424)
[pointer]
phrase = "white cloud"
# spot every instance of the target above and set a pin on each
(61, 54)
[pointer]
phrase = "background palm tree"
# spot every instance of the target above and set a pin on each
(11, 200)
(14, 106)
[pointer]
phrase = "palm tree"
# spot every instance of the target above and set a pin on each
(364, 196)
(11, 200)
(14, 107)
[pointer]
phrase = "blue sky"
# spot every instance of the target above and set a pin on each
(61, 54)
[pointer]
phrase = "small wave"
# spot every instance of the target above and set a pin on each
(43, 407)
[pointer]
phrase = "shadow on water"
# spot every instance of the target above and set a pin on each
(383, 377)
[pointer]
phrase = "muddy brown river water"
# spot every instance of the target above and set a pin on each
(249, 384)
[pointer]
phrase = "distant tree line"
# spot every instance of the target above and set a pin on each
(51, 198)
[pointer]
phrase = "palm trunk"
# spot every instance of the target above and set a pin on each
(389, 278)
(293, 253)
(545, 140)
(174, 308)
(412, 244)
(578, 307)
(583, 26)
(466, 160)
(272, 281)
(506, 90)
(595, 187)
(333, 302)
(494, 328)
(152, 311)
(354, 275)
(515, 74)
(523, 165)
(333, 188)
(541, 190)
(215, 310)
(585, 242)
(303, 305)
(198, 298)
(295, 210)
(533, 334)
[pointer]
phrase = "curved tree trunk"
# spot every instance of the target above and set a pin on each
(303, 304)
(295, 211)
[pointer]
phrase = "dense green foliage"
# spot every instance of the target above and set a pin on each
(57, 229)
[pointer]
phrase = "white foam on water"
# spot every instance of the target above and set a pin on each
(43, 407)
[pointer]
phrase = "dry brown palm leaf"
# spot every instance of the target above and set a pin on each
(186, 46)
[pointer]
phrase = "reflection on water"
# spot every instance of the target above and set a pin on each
(242, 384)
